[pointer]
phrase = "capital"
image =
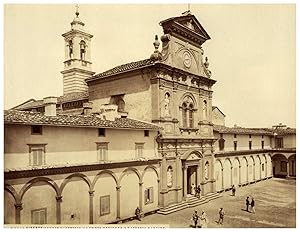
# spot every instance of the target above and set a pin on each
(140, 183)
(118, 188)
(58, 198)
(18, 206)
(91, 192)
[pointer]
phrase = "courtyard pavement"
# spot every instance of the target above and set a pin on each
(275, 203)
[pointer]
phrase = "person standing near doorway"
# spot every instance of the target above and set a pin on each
(195, 218)
(247, 203)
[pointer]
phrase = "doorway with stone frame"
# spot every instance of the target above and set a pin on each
(191, 179)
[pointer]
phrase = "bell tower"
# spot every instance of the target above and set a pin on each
(77, 64)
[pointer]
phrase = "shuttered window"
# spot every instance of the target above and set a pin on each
(139, 147)
(37, 155)
(39, 216)
(102, 149)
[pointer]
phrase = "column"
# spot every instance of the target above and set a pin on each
(141, 196)
(288, 169)
(240, 174)
(198, 175)
(118, 188)
(266, 167)
(260, 169)
(231, 179)
(58, 209)
(18, 208)
(254, 170)
(247, 173)
(178, 179)
(184, 182)
(158, 192)
(222, 178)
(163, 173)
(91, 193)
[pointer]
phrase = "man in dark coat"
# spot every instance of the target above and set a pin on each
(252, 205)
(195, 218)
(138, 213)
(247, 204)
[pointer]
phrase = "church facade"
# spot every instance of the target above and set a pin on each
(145, 131)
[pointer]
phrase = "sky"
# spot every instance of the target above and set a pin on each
(252, 52)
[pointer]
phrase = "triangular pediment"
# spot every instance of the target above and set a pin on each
(188, 24)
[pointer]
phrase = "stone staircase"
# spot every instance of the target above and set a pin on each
(191, 202)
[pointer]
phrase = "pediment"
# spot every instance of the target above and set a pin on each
(186, 24)
(191, 155)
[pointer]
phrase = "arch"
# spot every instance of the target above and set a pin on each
(229, 161)
(278, 156)
(188, 95)
(218, 160)
(112, 174)
(68, 179)
(130, 169)
(46, 180)
(191, 151)
(293, 156)
(150, 167)
(236, 158)
(244, 157)
(12, 191)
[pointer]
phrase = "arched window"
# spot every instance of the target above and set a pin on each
(166, 105)
(82, 50)
(70, 49)
(121, 105)
(188, 112)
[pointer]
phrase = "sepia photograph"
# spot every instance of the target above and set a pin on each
(149, 115)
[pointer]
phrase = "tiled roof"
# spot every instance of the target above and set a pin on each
(62, 99)
(34, 118)
(287, 131)
(124, 68)
(241, 130)
(258, 131)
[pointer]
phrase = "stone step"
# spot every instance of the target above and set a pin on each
(191, 202)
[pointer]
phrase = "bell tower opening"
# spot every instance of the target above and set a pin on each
(77, 64)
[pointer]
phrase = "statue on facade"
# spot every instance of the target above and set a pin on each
(204, 110)
(206, 171)
(166, 104)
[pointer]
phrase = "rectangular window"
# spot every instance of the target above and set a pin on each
(263, 167)
(234, 135)
(104, 205)
(149, 195)
(39, 216)
(36, 130)
(146, 133)
(101, 132)
(221, 136)
(37, 154)
(102, 149)
(283, 166)
(139, 147)
(262, 136)
(250, 136)
(235, 145)
(221, 144)
(278, 142)
(262, 144)
(250, 145)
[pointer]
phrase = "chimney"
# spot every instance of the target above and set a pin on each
(50, 106)
(87, 108)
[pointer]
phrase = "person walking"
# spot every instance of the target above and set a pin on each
(221, 216)
(247, 204)
(195, 218)
(233, 190)
(203, 220)
(253, 205)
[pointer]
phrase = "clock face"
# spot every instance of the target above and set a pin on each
(187, 61)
